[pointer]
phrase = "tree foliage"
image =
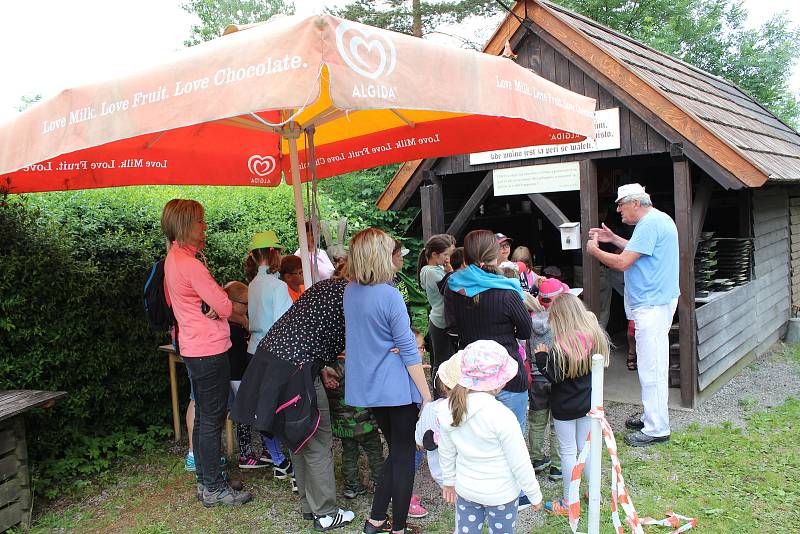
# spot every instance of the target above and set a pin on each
(711, 35)
(415, 17)
(215, 15)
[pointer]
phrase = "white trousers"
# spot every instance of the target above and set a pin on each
(652, 350)
(571, 440)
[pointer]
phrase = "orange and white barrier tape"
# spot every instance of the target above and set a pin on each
(619, 492)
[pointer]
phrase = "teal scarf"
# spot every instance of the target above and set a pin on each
(474, 280)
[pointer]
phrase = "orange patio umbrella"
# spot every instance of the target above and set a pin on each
(317, 96)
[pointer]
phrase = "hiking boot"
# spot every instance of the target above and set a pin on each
(251, 461)
(342, 518)
(415, 508)
(558, 507)
(640, 439)
(634, 422)
(541, 465)
(233, 483)
(351, 491)
(284, 470)
(226, 496)
(555, 474)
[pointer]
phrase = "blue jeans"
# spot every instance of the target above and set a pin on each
(517, 402)
(211, 381)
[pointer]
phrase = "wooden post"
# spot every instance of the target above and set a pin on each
(681, 170)
(475, 199)
(589, 219)
(700, 204)
(432, 210)
(173, 391)
(548, 209)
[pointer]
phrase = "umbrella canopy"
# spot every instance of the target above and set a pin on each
(241, 109)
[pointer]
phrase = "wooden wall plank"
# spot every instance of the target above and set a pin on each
(738, 329)
(723, 365)
(733, 344)
(733, 298)
(722, 322)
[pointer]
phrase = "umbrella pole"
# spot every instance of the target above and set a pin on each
(291, 136)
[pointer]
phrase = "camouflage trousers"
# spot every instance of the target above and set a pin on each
(371, 444)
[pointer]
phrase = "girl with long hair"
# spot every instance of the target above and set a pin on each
(432, 266)
(482, 453)
(568, 366)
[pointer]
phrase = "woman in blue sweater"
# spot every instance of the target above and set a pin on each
(391, 384)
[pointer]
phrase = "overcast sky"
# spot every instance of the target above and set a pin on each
(49, 45)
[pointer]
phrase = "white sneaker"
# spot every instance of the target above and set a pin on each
(325, 523)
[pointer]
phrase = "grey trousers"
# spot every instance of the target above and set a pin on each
(610, 280)
(313, 465)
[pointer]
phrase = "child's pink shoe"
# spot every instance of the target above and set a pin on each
(415, 509)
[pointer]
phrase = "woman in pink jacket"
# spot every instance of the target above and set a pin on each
(201, 309)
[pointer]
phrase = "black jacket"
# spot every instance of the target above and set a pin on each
(279, 397)
(499, 315)
(570, 398)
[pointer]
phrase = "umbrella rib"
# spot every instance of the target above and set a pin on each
(241, 122)
(154, 141)
(330, 114)
(402, 118)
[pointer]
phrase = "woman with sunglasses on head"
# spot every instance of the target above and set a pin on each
(201, 309)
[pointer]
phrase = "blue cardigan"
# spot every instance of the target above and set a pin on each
(376, 320)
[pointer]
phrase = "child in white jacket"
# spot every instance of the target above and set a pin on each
(482, 453)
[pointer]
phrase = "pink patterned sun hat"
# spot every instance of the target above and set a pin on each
(486, 366)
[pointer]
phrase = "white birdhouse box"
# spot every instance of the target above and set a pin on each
(570, 235)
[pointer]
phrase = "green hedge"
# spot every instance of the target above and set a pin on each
(72, 269)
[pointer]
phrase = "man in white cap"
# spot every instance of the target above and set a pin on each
(650, 263)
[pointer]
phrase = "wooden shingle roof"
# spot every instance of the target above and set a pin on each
(727, 127)
(723, 107)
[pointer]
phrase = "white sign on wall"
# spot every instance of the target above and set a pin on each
(606, 127)
(537, 179)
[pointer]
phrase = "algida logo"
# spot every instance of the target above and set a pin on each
(262, 167)
(370, 53)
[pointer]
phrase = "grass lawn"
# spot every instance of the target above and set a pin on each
(731, 480)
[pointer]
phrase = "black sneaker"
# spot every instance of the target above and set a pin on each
(342, 518)
(369, 528)
(640, 439)
(351, 491)
(283, 470)
(634, 422)
(225, 496)
(541, 465)
(555, 474)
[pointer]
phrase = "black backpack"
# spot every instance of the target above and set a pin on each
(159, 313)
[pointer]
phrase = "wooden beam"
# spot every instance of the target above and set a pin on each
(548, 209)
(432, 210)
(476, 199)
(681, 169)
(702, 199)
(589, 219)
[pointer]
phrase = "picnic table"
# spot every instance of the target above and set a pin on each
(15, 488)
(174, 359)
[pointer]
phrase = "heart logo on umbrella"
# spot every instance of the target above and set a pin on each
(261, 165)
(369, 53)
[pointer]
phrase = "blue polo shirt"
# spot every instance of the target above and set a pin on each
(652, 280)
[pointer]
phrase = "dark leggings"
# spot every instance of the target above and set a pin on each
(397, 476)
(441, 350)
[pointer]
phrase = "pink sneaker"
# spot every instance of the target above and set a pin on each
(415, 509)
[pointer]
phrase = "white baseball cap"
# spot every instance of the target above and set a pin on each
(628, 190)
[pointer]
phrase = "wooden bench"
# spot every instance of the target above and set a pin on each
(15, 485)
(174, 359)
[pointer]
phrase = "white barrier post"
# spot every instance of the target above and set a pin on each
(596, 445)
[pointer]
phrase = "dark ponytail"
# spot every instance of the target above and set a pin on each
(436, 243)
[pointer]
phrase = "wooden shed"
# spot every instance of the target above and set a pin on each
(712, 157)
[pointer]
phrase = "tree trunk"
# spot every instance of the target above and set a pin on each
(416, 13)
